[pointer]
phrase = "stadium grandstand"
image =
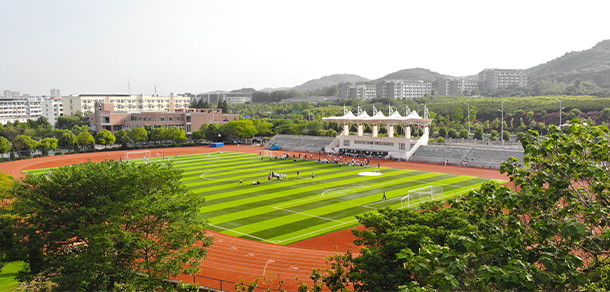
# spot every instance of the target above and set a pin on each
(393, 146)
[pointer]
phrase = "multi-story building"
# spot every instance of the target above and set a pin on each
(358, 92)
(403, 88)
(230, 97)
(20, 108)
(84, 103)
(459, 86)
(189, 119)
(494, 79)
(55, 92)
(8, 93)
(52, 108)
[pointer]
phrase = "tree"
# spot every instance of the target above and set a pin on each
(85, 139)
(176, 134)
(197, 135)
(23, 142)
(442, 132)
(7, 233)
(97, 226)
(478, 133)
(506, 136)
(211, 132)
(105, 137)
(159, 134)
(138, 135)
(47, 144)
(452, 133)
(5, 145)
(463, 134)
(122, 137)
(67, 140)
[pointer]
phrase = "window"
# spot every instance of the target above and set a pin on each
(162, 119)
(170, 118)
(178, 118)
(188, 119)
(346, 143)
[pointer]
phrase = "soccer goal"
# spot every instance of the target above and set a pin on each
(268, 153)
(137, 155)
(417, 196)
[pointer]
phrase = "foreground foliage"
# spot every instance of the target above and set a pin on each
(100, 226)
(550, 232)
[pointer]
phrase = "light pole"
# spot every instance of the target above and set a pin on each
(560, 109)
(218, 137)
(468, 119)
(502, 124)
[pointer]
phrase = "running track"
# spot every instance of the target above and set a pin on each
(233, 259)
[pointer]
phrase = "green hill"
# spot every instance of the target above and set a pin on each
(327, 81)
(588, 65)
(414, 74)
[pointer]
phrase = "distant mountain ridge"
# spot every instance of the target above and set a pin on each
(315, 84)
(589, 65)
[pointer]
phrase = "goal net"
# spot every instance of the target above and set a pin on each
(420, 195)
(268, 153)
(137, 155)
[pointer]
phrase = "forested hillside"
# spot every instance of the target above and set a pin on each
(327, 81)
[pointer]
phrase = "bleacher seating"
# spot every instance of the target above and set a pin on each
(469, 156)
(438, 154)
(299, 143)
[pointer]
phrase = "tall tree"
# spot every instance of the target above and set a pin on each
(105, 137)
(85, 139)
(99, 226)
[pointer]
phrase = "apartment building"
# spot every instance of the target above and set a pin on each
(20, 108)
(55, 92)
(358, 92)
(495, 79)
(403, 88)
(51, 109)
(230, 97)
(123, 102)
(457, 86)
(188, 119)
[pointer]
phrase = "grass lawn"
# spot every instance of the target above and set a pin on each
(295, 209)
(7, 276)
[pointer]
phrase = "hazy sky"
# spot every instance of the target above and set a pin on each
(199, 46)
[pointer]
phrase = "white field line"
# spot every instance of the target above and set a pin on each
(241, 233)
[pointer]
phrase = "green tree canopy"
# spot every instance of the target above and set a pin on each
(105, 137)
(5, 145)
(85, 139)
(67, 140)
(98, 226)
(241, 128)
(138, 135)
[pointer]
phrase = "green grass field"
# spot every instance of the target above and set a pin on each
(295, 209)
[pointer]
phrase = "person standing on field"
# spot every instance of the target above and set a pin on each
(384, 198)
(241, 181)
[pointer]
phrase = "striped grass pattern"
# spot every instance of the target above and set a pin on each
(295, 209)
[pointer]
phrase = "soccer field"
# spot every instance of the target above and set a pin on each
(295, 209)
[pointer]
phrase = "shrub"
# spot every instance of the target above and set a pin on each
(478, 133)
(464, 134)
(452, 133)
(440, 140)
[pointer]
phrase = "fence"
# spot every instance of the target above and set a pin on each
(215, 284)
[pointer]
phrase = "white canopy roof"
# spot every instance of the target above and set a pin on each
(394, 119)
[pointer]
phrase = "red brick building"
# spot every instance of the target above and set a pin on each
(189, 119)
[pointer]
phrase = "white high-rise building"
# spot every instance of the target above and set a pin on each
(55, 92)
(403, 88)
(494, 79)
(52, 108)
